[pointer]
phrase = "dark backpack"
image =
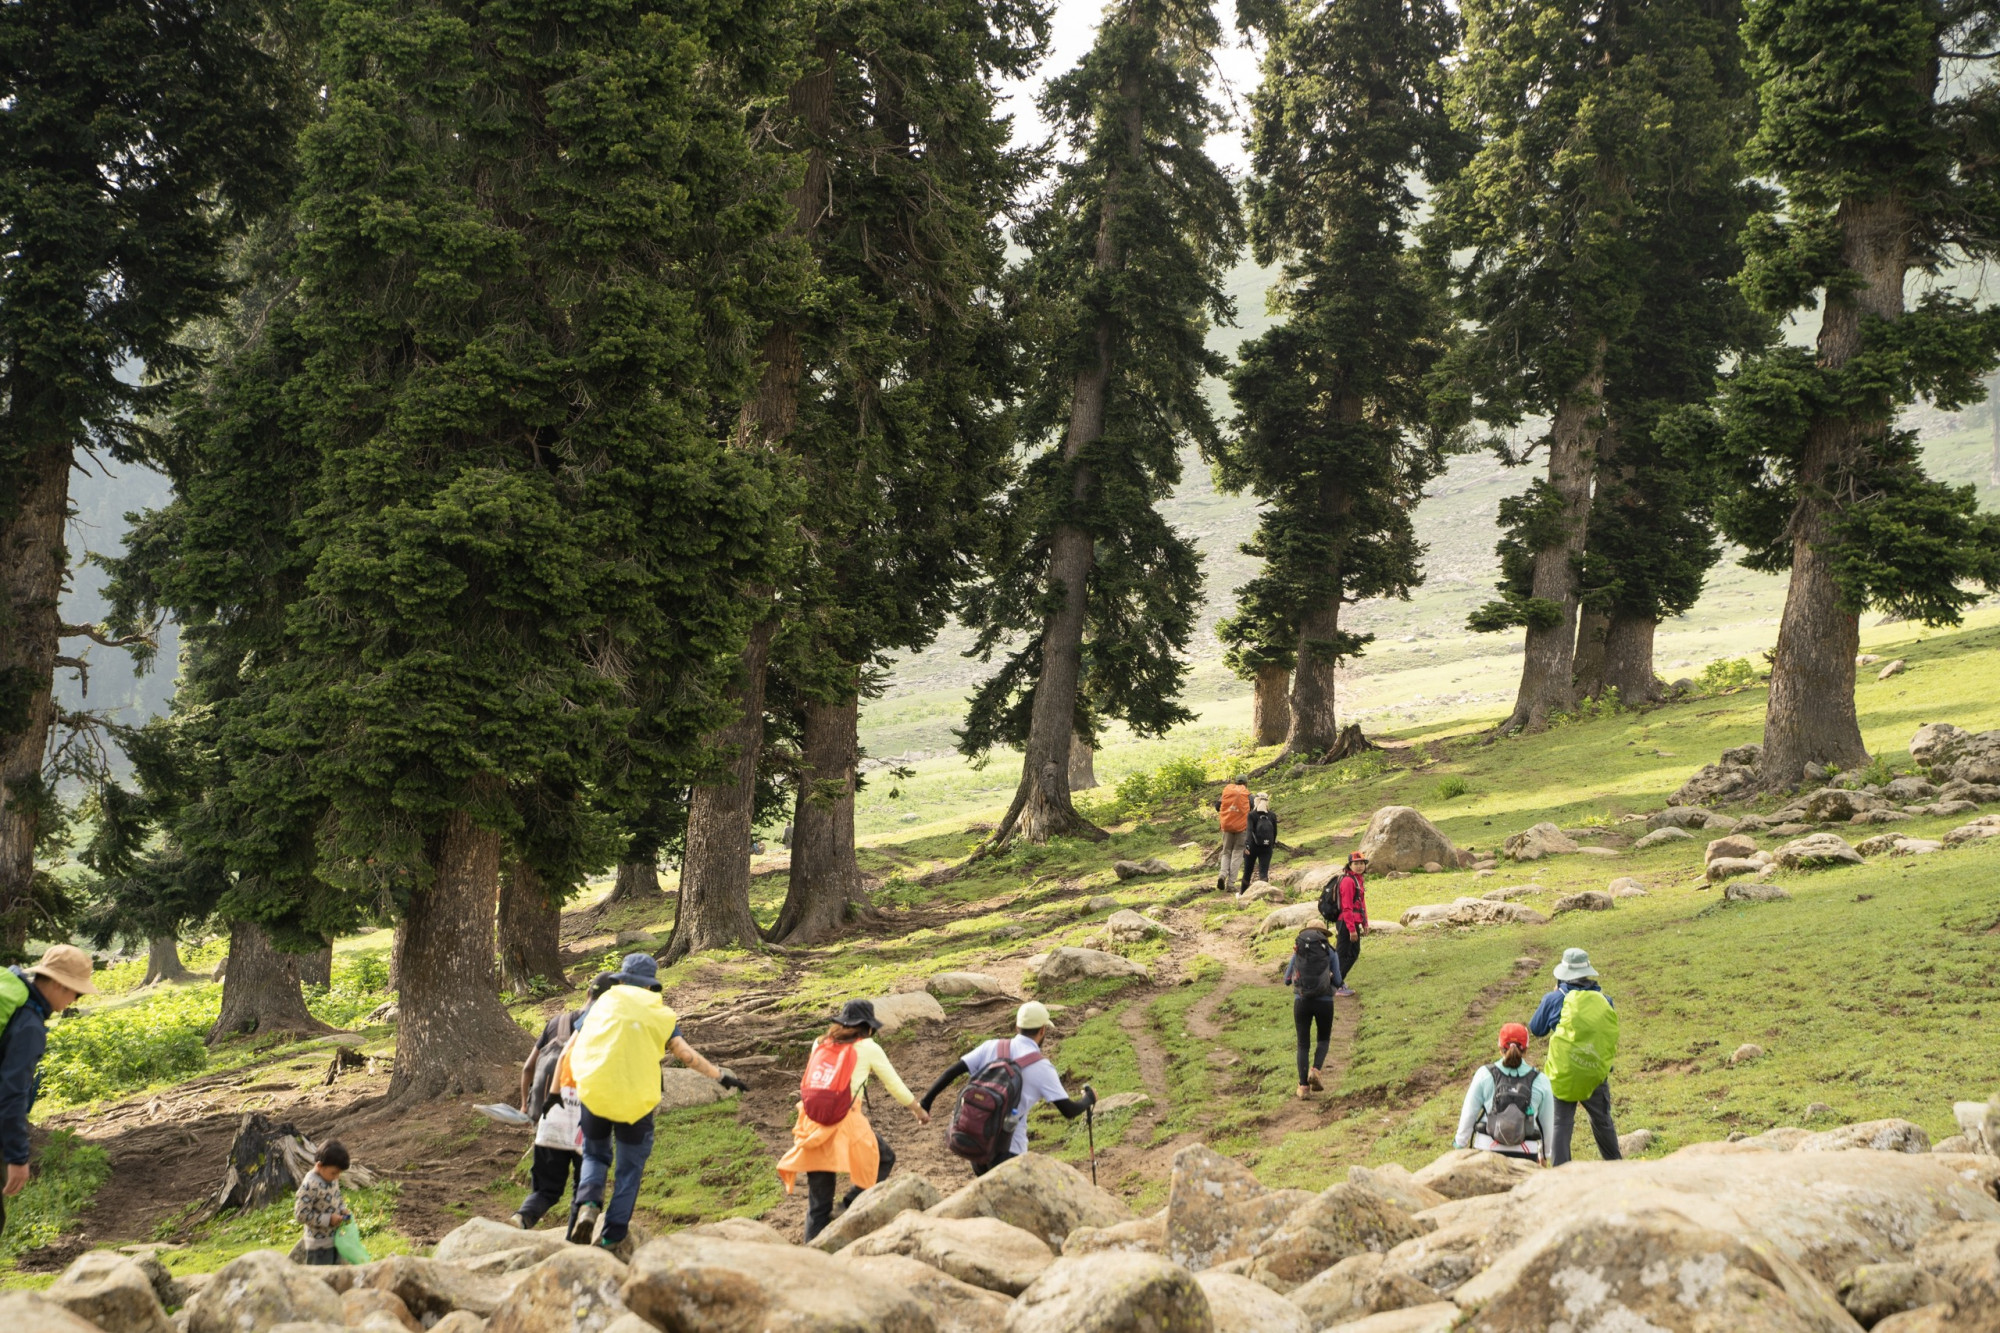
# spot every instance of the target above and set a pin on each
(1312, 972)
(1263, 828)
(546, 1056)
(1513, 1106)
(984, 1121)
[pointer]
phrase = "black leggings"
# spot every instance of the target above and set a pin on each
(819, 1188)
(1348, 948)
(1257, 858)
(1308, 1012)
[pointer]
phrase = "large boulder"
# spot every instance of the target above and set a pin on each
(906, 1007)
(1836, 805)
(1152, 865)
(256, 1292)
(1932, 739)
(1682, 817)
(1905, 790)
(948, 984)
(1217, 1211)
(1343, 1220)
(874, 1208)
(1817, 850)
(486, 1246)
(739, 1228)
(1127, 927)
(1113, 1293)
(1737, 845)
(577, 1291)
(695, 1284)
(1394, 1182)
(1068, 964)
(1961, 756)
(1725, 781)
(1286, 920)
(365, 1307)
(681, 1089)
(1239, 1305)
(1731, 867)
(31, 1310)
(1653, 1269)
(956, 1307)
(112, 1292)
(1538, 841)
(1966, 1257)
(432, 1289)
(1142, 1235)
(1986, 826)
(1481, 911)
(1308, 877)
(1879, 1135)
(983, 1251)
(1356, 1287)
(1038, 1194)
(1590, 900)
(1661, 836)
(1742, 892)
(1400, 838)
(1465, 1172)
(1873, 1292)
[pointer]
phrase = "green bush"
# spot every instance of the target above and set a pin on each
(66, 1177)
(1734, 673)
(1451, 786)
(360, 984)
(99, 1053)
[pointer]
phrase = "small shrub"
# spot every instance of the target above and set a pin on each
(1734, 673)
(1451, 786)
(94, 1054)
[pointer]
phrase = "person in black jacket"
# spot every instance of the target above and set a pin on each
(1260, 838)
(52, 986)
(1313, 971)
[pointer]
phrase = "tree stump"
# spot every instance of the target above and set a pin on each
(266, 1164)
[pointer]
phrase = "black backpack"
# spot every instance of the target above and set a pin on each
(1263, 828)
(1513, 1106)
(546, 1056)
(985, 1119)
(1312, 973)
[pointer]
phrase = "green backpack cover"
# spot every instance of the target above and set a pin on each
(13, 994)
(1583, 1046)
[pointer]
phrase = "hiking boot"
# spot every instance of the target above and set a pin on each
(1313, 1079)
(518, 1222)
(1344, 993)
(1302, 1092)
(847, 1200)
(586, 1222)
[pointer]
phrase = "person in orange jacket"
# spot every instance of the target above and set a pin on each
(1233, 813)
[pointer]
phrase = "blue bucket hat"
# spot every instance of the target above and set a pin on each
(637, 969)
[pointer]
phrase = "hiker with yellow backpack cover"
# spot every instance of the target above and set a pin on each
(832, 1133)
(1582, 1029)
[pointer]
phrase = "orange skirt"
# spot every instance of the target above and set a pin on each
(848, 1146)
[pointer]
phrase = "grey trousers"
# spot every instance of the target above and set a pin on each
(1598, 1107)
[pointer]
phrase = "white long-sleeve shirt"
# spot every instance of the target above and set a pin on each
(1479, 1099)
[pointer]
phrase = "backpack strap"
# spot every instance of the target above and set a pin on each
(1031, 1058)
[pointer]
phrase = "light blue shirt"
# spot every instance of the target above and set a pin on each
(1479, 1098)
(1039, 1082)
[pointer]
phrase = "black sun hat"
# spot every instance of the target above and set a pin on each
(858, 1014)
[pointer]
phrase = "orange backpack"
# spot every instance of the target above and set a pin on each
(827, 1087)
(1235, 807)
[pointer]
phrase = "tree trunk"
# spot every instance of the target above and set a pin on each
(530, 934)
(825, 879)
(638, 881)
(714, 911)
(1591, 628)
(32, 559)
(1271, 710)
(1314, 705)
(163, 961)
(1548, 670)
(316, 968)
(1628, 659)
(1810, 717)
(260, 989)
(1082, 764)
(453, 1038)
(396, 939)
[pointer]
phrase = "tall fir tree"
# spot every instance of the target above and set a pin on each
(135, 137)
(1589, 118)
(1336, 427)
(902, 363)
(1885, 164)
(1124, 276)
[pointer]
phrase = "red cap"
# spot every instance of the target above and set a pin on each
(1513, 1034)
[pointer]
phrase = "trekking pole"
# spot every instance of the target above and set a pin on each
(1090, 1132)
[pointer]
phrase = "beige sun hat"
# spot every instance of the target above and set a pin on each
(67, 965)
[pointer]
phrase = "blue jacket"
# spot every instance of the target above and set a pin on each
(21, 1045)
(1550, 1011)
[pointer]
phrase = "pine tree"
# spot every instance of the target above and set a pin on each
(1336, 430)
(1590, 119)
(1886, 169)
(1126, 257)
(183, 105)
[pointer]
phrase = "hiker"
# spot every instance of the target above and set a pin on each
(318, 1206)
(28, 996)
(551, 1106)
(986, 1119)
(1313, 973)
(615, 1061)
(832, 1133)
(1344, 904)
(1260, 839)
(1582, 1028)
(1509, 1108)
(1233, 814)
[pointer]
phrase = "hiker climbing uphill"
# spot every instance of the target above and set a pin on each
(1233, 815)
(832, 1133)
(1010, 1077)
(1260, 840)
(615, 1060)
(1344, 903)
(549, 1100)
(1313, 972)
(29, 996)
(1582, 1029)
(1509, 1109)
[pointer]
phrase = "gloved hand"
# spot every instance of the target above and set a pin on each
(731, 1081)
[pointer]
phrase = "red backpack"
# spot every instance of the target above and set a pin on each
(827, 1086)
(985, 1117)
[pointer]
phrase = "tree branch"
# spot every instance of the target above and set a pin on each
(96, 634)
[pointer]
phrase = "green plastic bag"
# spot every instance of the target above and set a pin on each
(1583, 1046)
(347, 1243)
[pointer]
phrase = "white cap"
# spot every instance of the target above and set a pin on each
(1033, 1017)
